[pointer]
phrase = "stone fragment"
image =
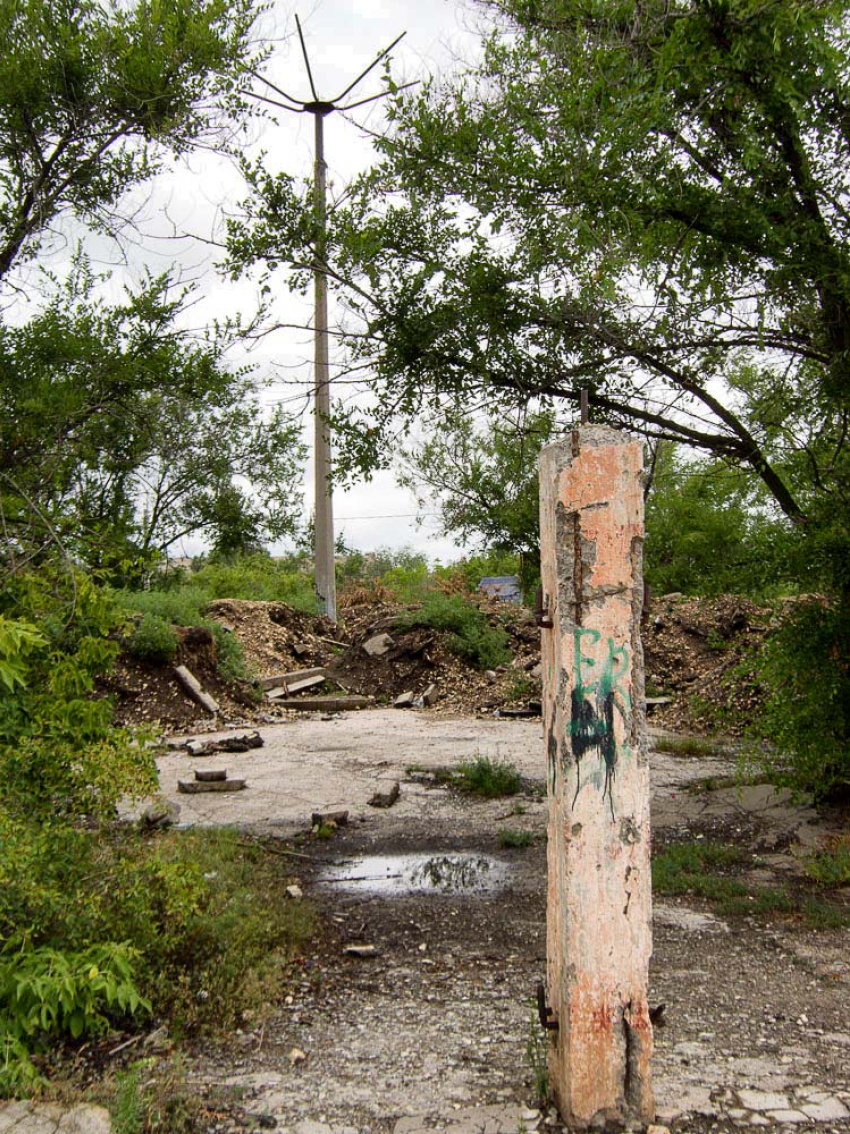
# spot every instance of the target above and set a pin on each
(386, 798)
(830, 1110)
(378, 645)
(323, 704)
(294, 892)
(404, 700)
(305, 683)
(198, 747)
(763, 1100)
(162, 813)
(790, 1116)
(430, 695)
(297, 1056)
(273, 680)
(193, 687)
(193, 787)
(216, 775)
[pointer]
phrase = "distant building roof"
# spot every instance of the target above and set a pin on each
(504, 587)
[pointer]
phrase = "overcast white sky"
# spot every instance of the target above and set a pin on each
(343, 37)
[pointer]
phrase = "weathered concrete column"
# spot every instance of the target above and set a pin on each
(599, 900)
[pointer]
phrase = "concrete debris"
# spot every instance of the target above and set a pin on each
(329, 704)
(304, 683)
(196, 787)
(297, 1056)
(405, 700)
(274, 680)
(362, 951)
(159, 814)
(378, 645)
(386, 798)
(294, 892)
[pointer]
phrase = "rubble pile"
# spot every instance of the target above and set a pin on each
(379, 655)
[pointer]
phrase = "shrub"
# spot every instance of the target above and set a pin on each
(46, 993)
(830, 868)
(153, 640)
(471, 636)
(490, 778)
(805, 670)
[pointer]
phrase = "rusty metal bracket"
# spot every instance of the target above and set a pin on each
(548, 1019)
(542, 612)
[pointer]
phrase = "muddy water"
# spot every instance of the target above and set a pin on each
(401, 874)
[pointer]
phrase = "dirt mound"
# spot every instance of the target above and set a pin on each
(693, 651)
(149, 692)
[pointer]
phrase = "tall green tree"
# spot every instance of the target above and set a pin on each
(120, 431)
(95, 97)
(647, 200)
(481, 472)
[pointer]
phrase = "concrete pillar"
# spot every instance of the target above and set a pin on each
(599, 889)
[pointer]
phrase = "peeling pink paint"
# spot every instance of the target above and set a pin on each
(599, 897)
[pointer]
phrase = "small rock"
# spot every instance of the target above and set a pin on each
(158, 1041)
(297, 1057)
(404, 700)
(162, 813)
(294, 892)
(429, 696)
(386, 798)
(658, 1130)
(378, 645)
(198, 747)
(491, 675)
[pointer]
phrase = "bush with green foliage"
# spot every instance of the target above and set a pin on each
(805, 669)
(470, 634)
(156, 640)
(153, 640)
(45, 993)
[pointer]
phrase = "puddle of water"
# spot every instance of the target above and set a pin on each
(419, 873)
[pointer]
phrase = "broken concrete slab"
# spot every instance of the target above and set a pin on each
(304, 683)
(274, 680)
(330, 703)
(386, 798)
(211, 777)
(378, 645)
(197, 787)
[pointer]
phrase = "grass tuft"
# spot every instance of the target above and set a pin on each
(511, 837)
(488, 778)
